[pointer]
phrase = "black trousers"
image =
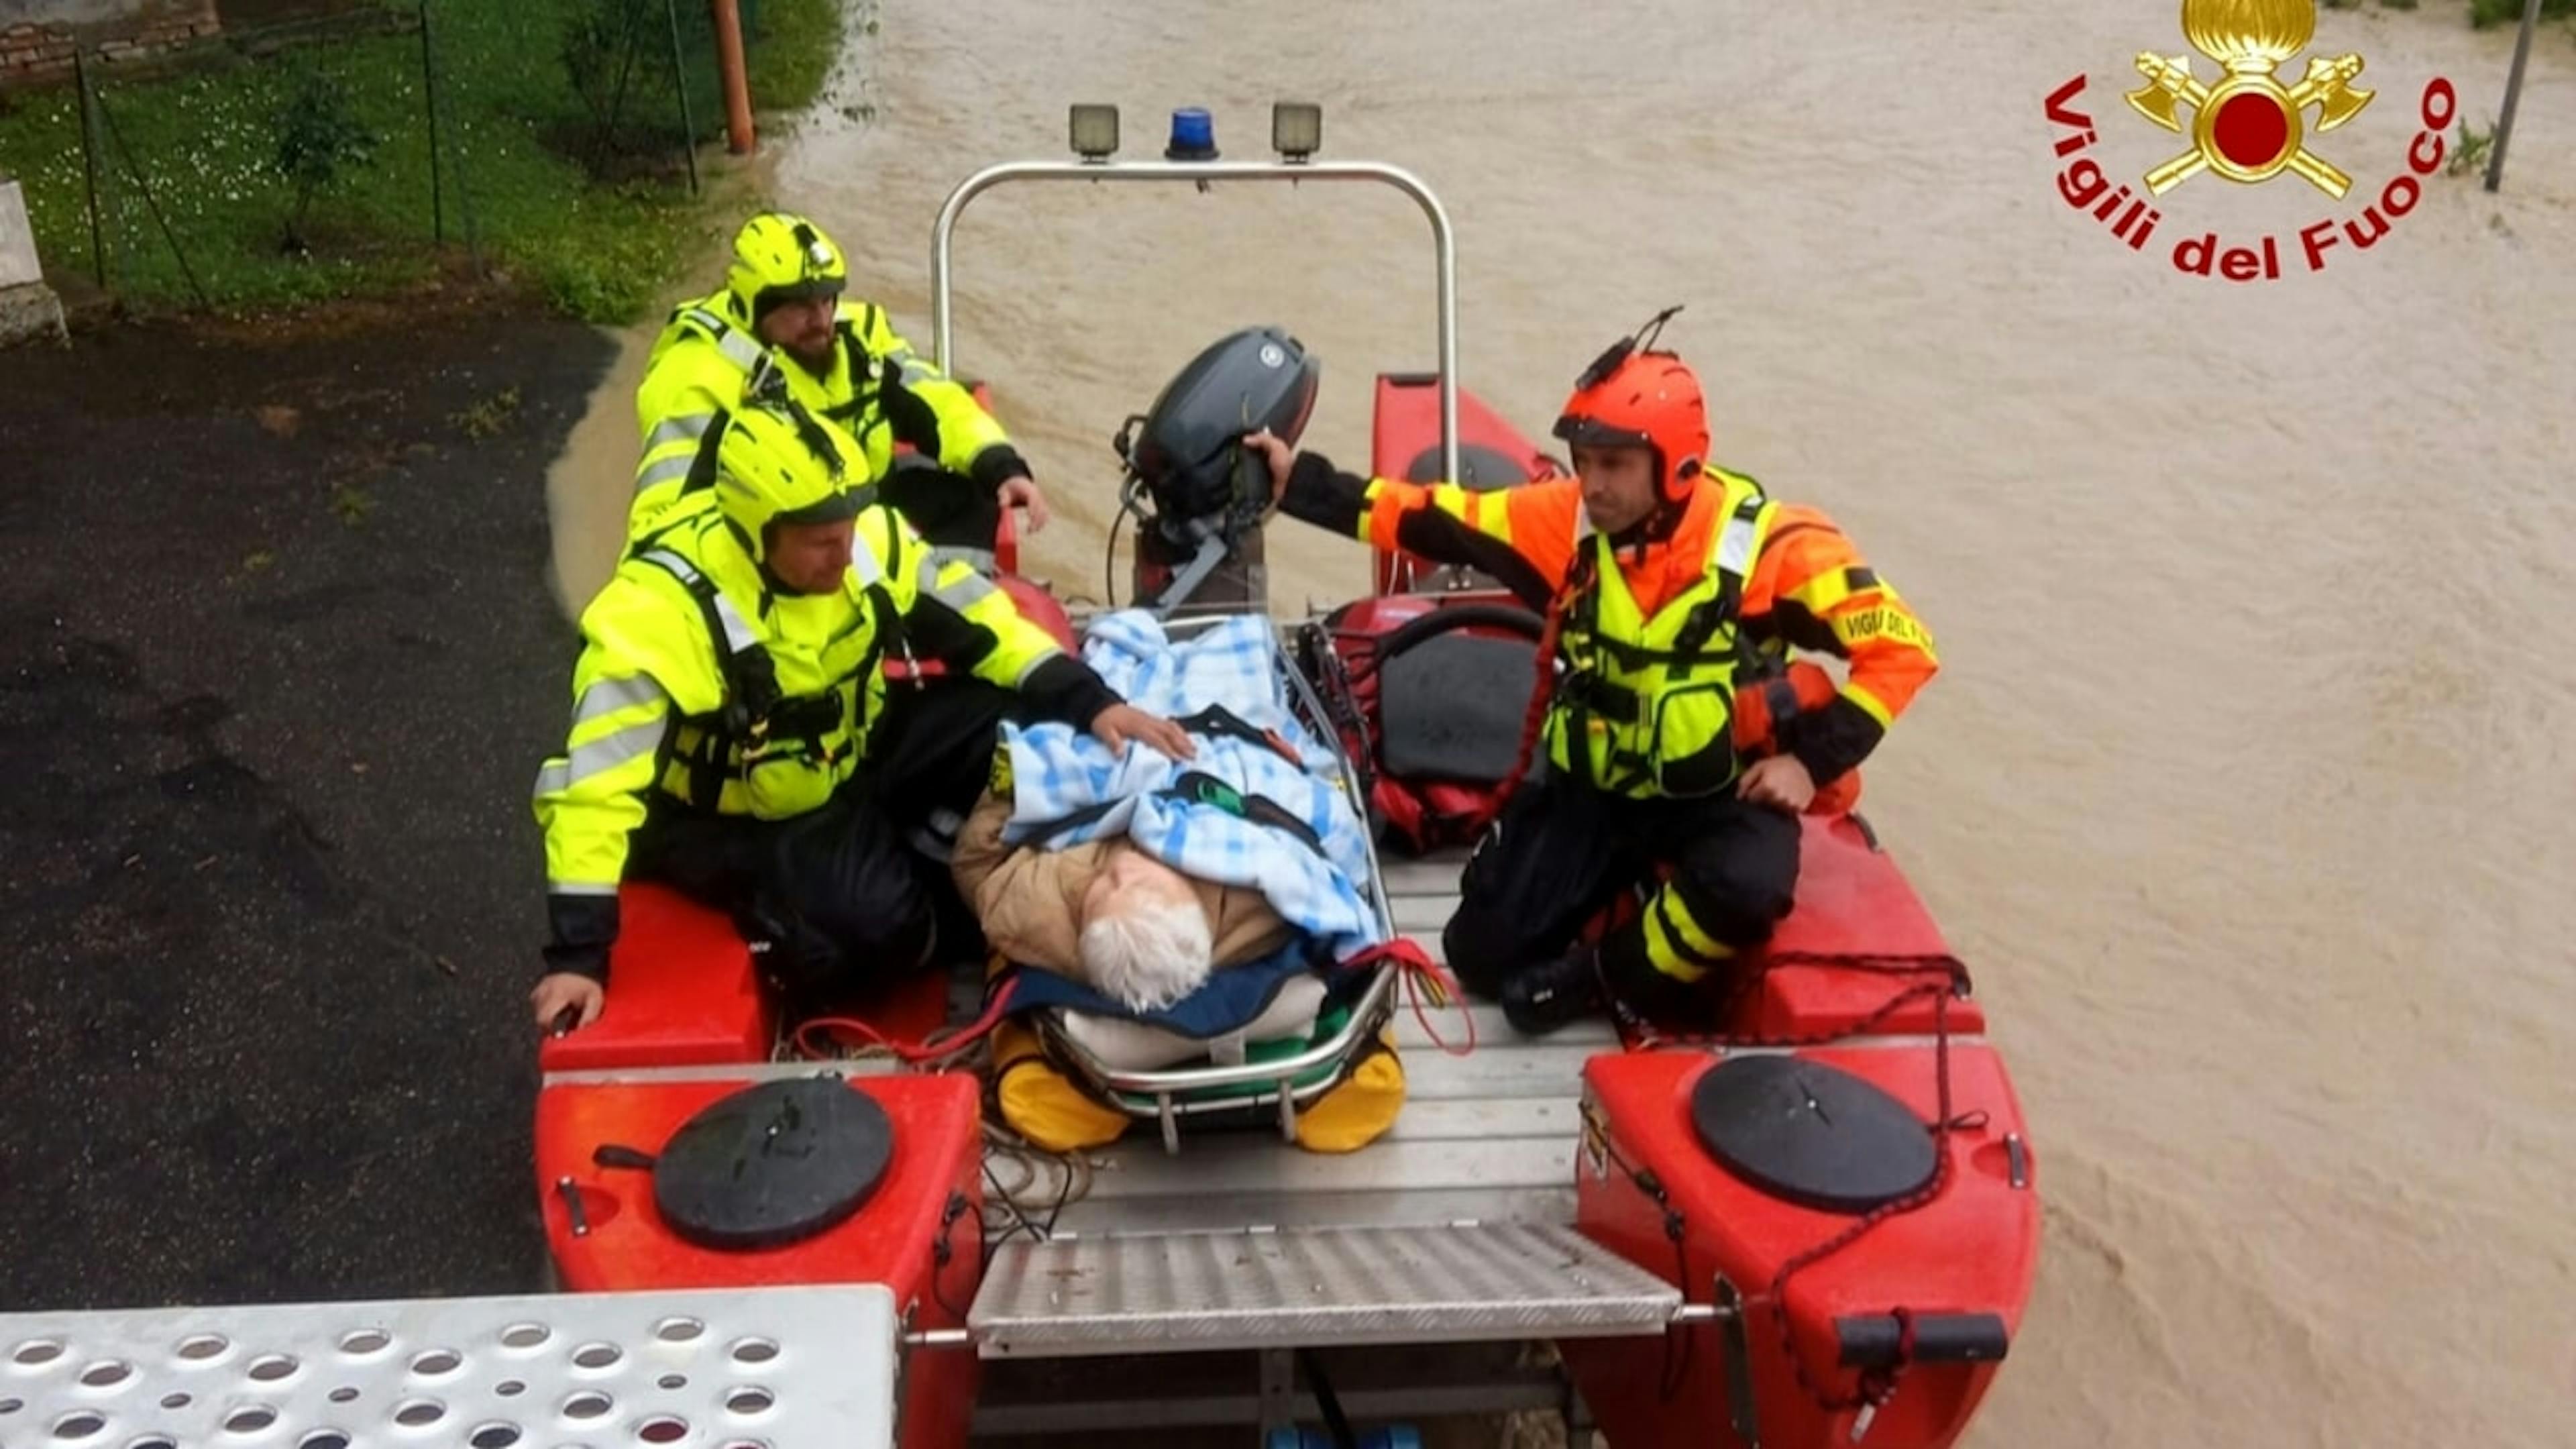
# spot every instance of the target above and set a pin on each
(842, 897)
(1561, 853)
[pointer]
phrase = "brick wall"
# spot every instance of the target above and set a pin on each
(37, 37)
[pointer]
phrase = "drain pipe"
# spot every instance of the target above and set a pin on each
(737, 88)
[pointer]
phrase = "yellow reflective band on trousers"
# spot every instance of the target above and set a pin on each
(1641, 715)
(1675, 944)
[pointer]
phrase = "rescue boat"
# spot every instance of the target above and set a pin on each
(1813, 1220)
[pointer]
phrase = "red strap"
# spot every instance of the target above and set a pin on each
(1416, 966)
(918, 1052)
(1533, 719)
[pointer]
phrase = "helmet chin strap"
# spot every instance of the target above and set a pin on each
(770, 582)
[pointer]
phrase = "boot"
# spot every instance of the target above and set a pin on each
(1552, 994)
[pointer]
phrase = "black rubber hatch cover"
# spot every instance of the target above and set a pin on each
(773, 1164)
(1810, 1133)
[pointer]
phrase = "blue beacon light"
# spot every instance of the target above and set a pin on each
(1193, 136)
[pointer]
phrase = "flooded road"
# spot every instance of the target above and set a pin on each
(2246, 789)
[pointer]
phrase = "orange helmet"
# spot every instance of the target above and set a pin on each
(1632, 396)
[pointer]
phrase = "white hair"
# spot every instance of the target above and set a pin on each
(1148, 948)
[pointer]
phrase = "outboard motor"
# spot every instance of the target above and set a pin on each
(1199, 495)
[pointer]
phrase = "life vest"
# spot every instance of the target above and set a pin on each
(1647, 706)
(871, 402)
(779, 742)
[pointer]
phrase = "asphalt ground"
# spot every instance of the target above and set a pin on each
(278, 663)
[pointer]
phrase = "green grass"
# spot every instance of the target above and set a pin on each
(206, 142)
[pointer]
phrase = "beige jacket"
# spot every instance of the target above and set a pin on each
(1029, 900)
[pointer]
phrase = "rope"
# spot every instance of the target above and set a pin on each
(1639, 1034)
(1416, 968)
(1533, 718)
(940, 1051)
(1877, 1385)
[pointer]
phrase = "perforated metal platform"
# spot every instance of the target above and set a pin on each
(1165, 1293)
(780, 1368)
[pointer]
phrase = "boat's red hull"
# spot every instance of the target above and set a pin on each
(920, 1232)
(1972, 1249)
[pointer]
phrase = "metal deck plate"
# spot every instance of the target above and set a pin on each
(1181, 1292)
(782, 1368)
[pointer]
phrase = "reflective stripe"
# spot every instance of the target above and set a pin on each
(580, 888)
(1870, 705)
(687, 429)
(1694, 943)
(968, 591)
(863, 560)
(555, 778)
(1665, 960)
(1735, 543)
(914, 369)
(739, 347)
(610, 751)
(738, 634)
(1673, 940)
(609, 696)
(1031, 667)
(981, 560)
(669, 470)
(1827, 591)
(687, 571)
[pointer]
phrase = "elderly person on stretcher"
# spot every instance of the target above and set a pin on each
(1137, 875)
(1169, 909)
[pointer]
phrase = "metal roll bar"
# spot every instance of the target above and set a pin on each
(1203, 172)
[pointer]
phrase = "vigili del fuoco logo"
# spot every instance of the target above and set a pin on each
(2246, 126)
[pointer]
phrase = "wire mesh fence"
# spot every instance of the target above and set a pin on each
(375, 147)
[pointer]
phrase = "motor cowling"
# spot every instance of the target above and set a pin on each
(1186, 457)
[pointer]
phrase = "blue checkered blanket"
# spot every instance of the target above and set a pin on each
(1184, 813)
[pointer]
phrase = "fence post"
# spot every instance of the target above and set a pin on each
(680, 80)
(89, 166)
(626, 47)
(429, 87)
(741, 139)
(2512, 93)
(464, 186)
(152, 203)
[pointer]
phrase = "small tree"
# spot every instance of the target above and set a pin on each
(319, 139)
